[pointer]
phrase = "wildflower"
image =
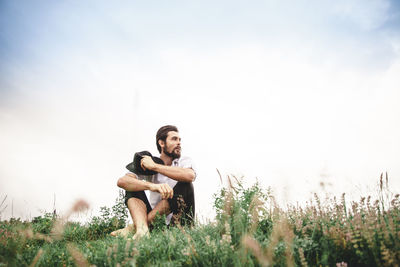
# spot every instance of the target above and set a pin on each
(186, 251)
(226, 238)
(208, 240)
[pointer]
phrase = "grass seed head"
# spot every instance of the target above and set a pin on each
(37, 257)
(78, 257)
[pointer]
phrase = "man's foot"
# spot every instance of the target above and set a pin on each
(124, 232)
(141, 233)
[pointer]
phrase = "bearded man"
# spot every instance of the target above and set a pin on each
(159, 185)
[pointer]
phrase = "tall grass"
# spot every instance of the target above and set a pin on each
(250, 229)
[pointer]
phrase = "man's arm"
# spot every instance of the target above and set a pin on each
(176, 173)
(130, 182)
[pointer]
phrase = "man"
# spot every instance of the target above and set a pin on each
(170, 188)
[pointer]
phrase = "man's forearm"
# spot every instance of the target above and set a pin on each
(177, 173)
(129, 182)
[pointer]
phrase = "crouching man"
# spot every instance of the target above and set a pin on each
(159, 185)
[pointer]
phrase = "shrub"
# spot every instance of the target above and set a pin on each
(44, 224)
(109, 220)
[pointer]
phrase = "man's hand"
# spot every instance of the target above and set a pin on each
(164, 189)
(147, 163)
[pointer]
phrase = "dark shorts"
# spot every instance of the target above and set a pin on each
(182, 203)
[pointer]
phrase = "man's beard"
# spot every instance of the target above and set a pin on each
(172, 154)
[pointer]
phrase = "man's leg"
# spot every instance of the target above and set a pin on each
(137, 209)
(182, 204)
(161, 208)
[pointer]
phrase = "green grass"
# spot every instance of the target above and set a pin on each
(249, 230)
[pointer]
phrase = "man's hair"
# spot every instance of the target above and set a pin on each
(162, 134)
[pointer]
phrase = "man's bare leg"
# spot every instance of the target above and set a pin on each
(161, 208)
(138, 212)
(141, 220)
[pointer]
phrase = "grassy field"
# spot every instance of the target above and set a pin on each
(250, 229)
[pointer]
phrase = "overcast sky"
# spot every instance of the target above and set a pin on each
(294, 93)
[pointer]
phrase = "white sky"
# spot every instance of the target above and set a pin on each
(293, 94)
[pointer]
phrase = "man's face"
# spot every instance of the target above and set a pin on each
(172, 145)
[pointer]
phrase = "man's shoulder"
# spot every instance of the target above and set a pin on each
(184, 160)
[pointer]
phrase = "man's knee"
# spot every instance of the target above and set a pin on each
(183, 199)
(138, 198)
(133, 203)
(183, 188)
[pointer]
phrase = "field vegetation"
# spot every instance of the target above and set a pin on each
(250, 229)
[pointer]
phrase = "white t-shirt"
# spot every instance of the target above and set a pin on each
(155, 197)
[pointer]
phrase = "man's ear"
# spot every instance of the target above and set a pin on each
(161, 143)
